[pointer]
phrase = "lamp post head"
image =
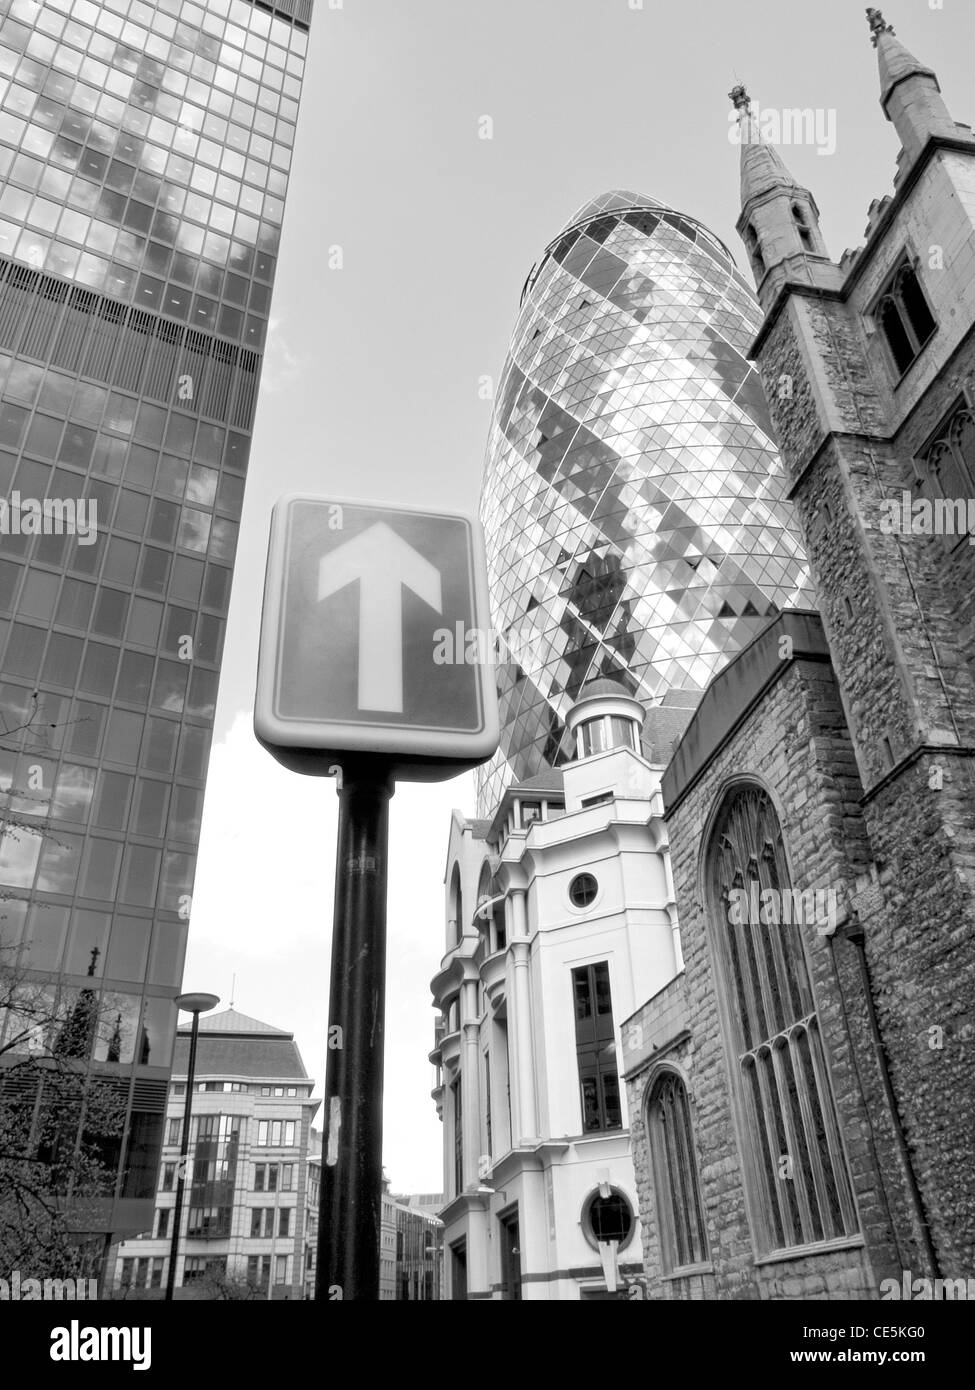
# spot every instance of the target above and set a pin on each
(197, 1003)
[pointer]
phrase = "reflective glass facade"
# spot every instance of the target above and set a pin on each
(633, 500)
(144, 156)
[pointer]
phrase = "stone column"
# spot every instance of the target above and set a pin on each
(470, 1083)
(527, 1123)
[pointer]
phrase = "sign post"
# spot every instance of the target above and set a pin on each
(359, 602)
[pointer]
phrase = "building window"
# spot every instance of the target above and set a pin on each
(903, 314)
(284, 1221)
(608, 1218)
(795, 1169)
(204, 1267)
(596, 1048)
(175, 1131)
(487, 1104)
(168, 1176)
(600, 799)
(680, 1216)
(530, 811)
(162, 1223)
(276, 1134)
(594, 737)
(458, 1138)
(258, 1270)
(754, 250)
(510, 1257)
(458, 1272)
(583, 890)
(947, 472)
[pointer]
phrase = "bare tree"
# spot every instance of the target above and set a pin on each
(60, 1125)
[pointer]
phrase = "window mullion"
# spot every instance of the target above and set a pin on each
(772, 1140)
(797, 1173)
(834, 1141)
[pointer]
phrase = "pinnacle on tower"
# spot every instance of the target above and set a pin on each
(762, 168)
(779, 221)
(909, 91)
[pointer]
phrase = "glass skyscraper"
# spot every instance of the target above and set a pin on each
(633, 499)
(144, 157)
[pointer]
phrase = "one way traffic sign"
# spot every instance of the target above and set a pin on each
(357, 601)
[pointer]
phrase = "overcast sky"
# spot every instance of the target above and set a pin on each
(371, 376)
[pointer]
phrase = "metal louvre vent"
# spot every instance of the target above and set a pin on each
(79, 331)
(150, 1096)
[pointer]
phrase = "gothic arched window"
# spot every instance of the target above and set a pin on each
(903, 314)
(680, 1216)
(794, 1169)
(947, 471)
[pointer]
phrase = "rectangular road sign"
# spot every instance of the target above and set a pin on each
(370, 616)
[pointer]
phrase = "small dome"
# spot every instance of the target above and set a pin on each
(604, 686)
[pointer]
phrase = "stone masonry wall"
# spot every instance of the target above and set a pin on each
(898, 617)
(794, 742)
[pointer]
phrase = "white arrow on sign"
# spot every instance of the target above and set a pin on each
(383, 563)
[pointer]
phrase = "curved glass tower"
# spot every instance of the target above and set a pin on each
(633, 500)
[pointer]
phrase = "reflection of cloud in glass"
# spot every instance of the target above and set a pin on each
(160, 115)
(19, 852)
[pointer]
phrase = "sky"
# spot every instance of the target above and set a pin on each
(407, 239)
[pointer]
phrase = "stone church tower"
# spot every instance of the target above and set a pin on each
(802, 1094)
(869, 367)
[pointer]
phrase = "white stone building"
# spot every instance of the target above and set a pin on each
(560, 922)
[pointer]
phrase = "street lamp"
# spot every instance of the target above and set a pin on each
(194, 1004)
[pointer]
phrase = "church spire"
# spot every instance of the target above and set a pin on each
(762, 167)
(909, 91)
(779, 221)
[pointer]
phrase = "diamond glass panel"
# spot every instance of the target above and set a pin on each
(633, 499)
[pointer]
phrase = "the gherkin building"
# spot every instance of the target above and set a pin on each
(633, 499)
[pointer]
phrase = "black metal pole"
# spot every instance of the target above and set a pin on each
(184, 1147)
(350, 1210)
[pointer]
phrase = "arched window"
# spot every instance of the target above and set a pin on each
(680, 1216)
(795, 1168)
(754, 249)
(455, 911)
(802, 226)
(903, 314)
(946, 471)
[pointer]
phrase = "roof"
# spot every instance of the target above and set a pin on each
(231, 1021)
(604, 685)
(240, 1057)
(735, 691)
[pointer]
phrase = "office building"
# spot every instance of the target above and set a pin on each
(633, 499)
(144, 158)
(248, 1200)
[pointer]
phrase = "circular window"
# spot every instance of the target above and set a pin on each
(583, 890)
(608, 1218)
